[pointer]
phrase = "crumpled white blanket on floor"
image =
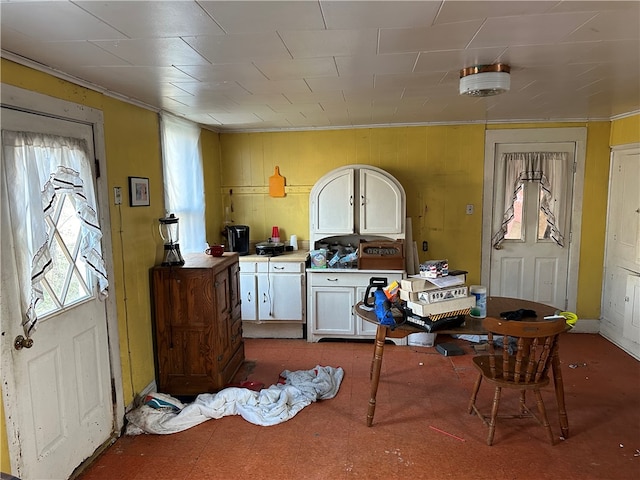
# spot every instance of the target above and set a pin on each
(269, 406)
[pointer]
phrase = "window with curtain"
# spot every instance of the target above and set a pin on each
(48, 186)
(549, 170)
(183, 180)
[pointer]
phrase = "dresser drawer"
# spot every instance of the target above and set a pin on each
(281, 267)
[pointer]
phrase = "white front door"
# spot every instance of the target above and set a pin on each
(528, 263)
(57, 393)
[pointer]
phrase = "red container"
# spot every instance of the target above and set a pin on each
(215, 250)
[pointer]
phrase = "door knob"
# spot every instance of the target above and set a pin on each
(20, 342)
(498, 247)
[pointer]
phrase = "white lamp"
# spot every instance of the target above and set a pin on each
(485, 80)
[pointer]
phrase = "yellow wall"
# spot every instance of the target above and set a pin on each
(133, 149)
(440, 167)
(625, 130)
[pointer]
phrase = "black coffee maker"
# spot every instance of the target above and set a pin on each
(238, 238)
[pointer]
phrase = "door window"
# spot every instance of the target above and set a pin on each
(55, 223)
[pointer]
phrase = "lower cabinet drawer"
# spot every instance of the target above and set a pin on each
(339, 279)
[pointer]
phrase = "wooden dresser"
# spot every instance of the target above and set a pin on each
(198, 330)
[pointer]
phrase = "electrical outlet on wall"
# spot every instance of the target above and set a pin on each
(117, 195)
(470, 209)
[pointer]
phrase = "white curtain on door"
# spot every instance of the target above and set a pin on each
(38, 170)
(551, 170)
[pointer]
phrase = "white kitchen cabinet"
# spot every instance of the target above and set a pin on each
(249, 291)
(357, 199)
(281, 291)
(332, 296)
(272, 290)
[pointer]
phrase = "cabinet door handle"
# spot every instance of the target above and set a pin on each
(362, 200)
(264, 298)
(248, 296)
(332, 279)
(278, 268)
(351, 200)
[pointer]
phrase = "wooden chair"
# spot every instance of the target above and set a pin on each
(525, 367)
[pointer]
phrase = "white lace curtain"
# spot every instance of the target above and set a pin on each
(37, 170)
(551, 169)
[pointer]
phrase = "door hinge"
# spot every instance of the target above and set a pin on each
(97, 168)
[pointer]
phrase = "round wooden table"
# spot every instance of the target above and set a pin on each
(471, 326)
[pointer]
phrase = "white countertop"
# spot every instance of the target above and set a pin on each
(293, 256)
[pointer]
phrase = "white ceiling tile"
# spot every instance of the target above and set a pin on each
(306, 108)
(232, 118)
(66, 56)
(130, 78)
(454, 36)
(316, 97)
(298, 68)
(229, 72)
(460, 11)
(327, 43)
(456, 60)
(275, 86)
(375, 14)
(595, 6)
(616, 25)
(527, 29)
(55, 21)
(328, 84)
(361, 64)
(204, 89)
(155, 19)
(237, 48)
(153, 51)
(258, 99)
(265, 16)
(424, 80)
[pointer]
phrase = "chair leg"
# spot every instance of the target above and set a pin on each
(523, 402)
(474, 394)
(543, 416)
(494, 414)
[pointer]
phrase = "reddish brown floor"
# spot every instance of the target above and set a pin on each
(422, 399)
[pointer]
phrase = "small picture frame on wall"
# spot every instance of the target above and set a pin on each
(138, 192)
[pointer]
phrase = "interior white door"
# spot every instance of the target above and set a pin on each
(57, 393)
(527, 264)
(621, 290)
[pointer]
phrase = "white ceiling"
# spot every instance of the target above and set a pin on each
(268, 65)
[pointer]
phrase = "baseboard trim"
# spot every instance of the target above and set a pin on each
(586, 325)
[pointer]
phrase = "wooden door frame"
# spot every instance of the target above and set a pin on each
(37, 103)
(577, 135)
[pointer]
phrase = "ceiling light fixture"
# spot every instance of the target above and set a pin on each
(485, 80)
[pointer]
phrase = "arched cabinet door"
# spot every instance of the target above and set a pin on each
(357, 199)
(381, 204)
(332, 204)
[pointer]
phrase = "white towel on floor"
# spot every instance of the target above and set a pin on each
(269, 406)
